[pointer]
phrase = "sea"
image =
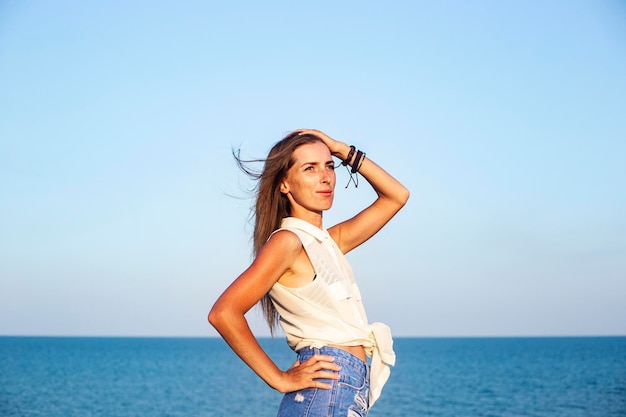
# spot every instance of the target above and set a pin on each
(444, 377)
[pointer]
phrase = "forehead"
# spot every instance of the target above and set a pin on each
(311, 152)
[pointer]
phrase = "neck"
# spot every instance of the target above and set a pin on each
(309, 216)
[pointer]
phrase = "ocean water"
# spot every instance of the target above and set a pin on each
(499, 377)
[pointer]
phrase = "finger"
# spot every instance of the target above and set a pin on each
(321, 385)
(322, 358)
(328, 366)
(325, 375)
(304, 132)
(317, 362)
(323, 364)
(326, 361)
(313, 132)
(320, 377)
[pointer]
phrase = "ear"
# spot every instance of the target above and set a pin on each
(284, 187)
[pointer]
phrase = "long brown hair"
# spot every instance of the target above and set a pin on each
(271, 205)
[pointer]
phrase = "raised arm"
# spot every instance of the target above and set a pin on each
(392, 196)
(228, 318)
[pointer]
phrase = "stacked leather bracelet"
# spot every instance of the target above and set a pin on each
(356, 165)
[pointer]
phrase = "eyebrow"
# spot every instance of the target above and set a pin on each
(330, 161)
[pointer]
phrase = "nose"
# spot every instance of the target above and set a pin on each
(325, 176)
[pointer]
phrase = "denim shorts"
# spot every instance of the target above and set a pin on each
(348, 396)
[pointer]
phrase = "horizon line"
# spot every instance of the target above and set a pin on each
(104, 336)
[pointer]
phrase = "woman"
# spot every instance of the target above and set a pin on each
(305, 283)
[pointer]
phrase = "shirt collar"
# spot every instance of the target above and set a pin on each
(295, 223)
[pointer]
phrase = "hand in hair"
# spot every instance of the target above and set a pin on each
(334, 145)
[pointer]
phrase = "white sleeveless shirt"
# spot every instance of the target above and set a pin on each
(329, 310)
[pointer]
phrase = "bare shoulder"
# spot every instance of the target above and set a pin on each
(284, 242)
(294, 265)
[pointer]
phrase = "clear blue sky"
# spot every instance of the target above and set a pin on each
(506, 120)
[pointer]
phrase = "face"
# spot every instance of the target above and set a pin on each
(310, 182)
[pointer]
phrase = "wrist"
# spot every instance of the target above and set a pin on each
(347, 155)
(279, 383)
